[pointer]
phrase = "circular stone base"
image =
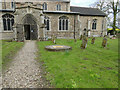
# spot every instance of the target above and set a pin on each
(58, 48)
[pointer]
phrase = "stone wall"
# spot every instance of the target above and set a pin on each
(81, 22)
(51, 6)
(1, 22)
(18, 20)
(36, 14)
(1, 25)
(7, 5)
(76, 23)
(5, 34)
(84, 24)
(0, 5)
(54, 26)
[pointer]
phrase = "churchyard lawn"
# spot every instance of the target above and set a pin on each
(94, 67)
(9, 49)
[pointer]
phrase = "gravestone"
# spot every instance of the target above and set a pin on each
(93, 40)
(75, 40)
(104, 42)
(84, 42)
(109, 35)
(54, 39)
(81, 37)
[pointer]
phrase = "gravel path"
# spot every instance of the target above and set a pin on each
(24, 71)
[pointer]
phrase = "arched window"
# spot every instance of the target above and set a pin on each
(4, 24)
(58, 7)
(47, 22)
(8, 21)
(94, 24)
(44, 6)
(12, 5)
(63, 23)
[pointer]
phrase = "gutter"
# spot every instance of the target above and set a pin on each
(74, 13)
(7, 10)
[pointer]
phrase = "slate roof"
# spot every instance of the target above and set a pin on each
(41, 0)
(57, 0)
(87, 11)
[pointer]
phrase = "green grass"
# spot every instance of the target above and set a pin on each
(94, 67)
(8, 51)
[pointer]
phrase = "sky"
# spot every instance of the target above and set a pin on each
(82, 3)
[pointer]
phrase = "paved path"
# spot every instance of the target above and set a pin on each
(24, 71)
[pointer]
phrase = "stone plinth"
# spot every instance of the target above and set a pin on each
(58, 48)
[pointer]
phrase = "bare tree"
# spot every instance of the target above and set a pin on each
(109, 7)
(114, 7)
(103, 6)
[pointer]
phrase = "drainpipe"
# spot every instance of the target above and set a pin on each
(38, 32)
(74, 27)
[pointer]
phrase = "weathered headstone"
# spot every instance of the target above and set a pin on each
(41, 39)
(75, 40)
(84, 42)
(46, 38)
(81, 36)
(93, 40)
(108, 35)
(54, 39)
(104, 42)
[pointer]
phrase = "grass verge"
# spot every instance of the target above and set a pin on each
(9, 49)
(94, 67)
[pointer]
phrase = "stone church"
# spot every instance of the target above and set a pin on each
(27, 20)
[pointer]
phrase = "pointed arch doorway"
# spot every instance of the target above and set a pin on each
(27, 32)
(30, 27)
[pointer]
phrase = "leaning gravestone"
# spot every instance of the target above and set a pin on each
(93, 40)
(84, 42)
(104, 42)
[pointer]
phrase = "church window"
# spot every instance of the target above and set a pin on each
(47, 22)
(8, 22)
(58, 7)
(12, 5)
(63, 23)
(44, 6)
(94, 24)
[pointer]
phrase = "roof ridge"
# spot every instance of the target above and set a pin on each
(87, 10)
(84, 7)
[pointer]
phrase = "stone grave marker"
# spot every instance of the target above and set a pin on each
(93, 40)
(81, 37)
(54, 39)
(109, 35)
(84, 42)
(104, 42)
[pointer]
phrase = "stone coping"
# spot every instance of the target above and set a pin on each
(57, 48)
